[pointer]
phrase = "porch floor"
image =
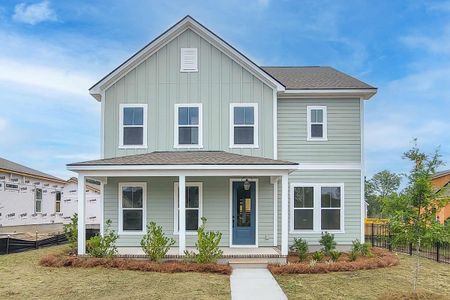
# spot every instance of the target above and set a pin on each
(266, 252)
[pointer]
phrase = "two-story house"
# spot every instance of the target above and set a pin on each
(192, 128)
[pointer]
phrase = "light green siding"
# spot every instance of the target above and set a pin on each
(344, 134)
(216, 207)
(158, 82)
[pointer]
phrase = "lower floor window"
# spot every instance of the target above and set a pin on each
(193, 204)
(132, 206)
(316, 207)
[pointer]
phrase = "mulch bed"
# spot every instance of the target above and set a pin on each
(381, 259)
(54, 260)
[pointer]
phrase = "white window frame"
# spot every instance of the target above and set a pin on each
(36, 200)
(183, 67)
(293, 208)
(176, 141)
(175, 206)
(255, 125)
(122, 126)
(56, 201)
(324, 123)
(317, 214)
(142, 185)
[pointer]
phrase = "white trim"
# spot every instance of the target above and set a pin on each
(275, 213)
(121, 126)
(81, 241)
(255, 125)
(363, 209)
(256, 213)
(275, 125)
(324, 124)
(102, 127)
(169, 35)
(183, 167)
(183, 53)
(142, 185)
(285, 215)
(102, 208)
(182, 215)
(317, 221)
(360, 93)
(329, 166)
(175, 206)
(200, 126)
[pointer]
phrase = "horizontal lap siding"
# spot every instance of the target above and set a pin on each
(216, 201)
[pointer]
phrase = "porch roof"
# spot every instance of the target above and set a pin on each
(191, 158)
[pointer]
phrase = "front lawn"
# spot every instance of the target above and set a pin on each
(368, 284)
(21, 277)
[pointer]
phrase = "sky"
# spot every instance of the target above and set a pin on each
(51, 52)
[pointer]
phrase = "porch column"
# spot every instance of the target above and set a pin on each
(181, 214)
(81, 215)
(284, 214)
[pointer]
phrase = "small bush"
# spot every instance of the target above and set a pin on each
(154, 243)
(103, 246)
(71, 232)
(318, 256)
(300, 247)
(334, 255)
(363, 249)
(327, 242)
(353, 255)
(207, 246)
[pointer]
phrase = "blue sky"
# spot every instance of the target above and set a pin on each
(51, 52)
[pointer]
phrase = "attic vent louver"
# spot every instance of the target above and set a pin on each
(189, 60)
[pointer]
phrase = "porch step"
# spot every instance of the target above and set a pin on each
(248, 263)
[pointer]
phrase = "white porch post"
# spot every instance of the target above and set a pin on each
(81, 215)
(284, 214)
(181, 214)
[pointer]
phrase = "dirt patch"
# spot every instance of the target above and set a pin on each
(53, 260)
(381, 258)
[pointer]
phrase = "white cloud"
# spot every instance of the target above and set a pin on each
(435, 44)
(34, 13)
(442, 6)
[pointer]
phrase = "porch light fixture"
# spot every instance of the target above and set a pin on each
(246, 185)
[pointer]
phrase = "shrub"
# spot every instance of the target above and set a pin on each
(300, 247)
(318, 256)
(71, 232)
(334, 255)
(353, 255)
(363, 249)
(327, 242)
(103, 246)
(207, 246)
(154, 243)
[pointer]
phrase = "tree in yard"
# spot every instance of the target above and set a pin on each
(413, 219)
(378, 188)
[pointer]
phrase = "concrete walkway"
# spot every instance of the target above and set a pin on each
(254, 283)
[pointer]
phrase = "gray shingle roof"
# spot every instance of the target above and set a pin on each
(441, 173)
(315, 78)
(184, 158)
(15, 167)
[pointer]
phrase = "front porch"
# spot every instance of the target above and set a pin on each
(239, 198)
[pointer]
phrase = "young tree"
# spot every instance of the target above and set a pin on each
(380, 186)
(413, 219)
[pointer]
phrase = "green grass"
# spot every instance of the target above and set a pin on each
(22, 278)
(370, 284)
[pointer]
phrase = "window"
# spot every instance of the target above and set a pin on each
(317, 123)
(330, 208)
(132, 203)
(189, 60)
(58, 202)
(244, 125)
(316, 208)
(194, 200)
(133, 126)
(188, 126)
(303, 208)
(38, 200)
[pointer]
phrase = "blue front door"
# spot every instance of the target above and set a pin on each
(244, 213)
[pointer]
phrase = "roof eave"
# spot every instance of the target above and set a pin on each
(365, 94)
(78, 168)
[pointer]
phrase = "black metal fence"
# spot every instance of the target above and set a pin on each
(12, 245)
(379, 235)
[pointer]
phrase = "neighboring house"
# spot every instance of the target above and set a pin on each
(191, 127)
(441, 182)
(29, 197)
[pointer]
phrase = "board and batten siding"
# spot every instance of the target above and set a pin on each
(216, 207)
(344, 131)
(158, 82)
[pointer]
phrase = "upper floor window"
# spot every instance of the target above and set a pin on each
(38, 200)
(189, 60)
(133, 126)
(58, 202)
(243, 125)
(132, 203)
(188, 126)
(317, 123)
